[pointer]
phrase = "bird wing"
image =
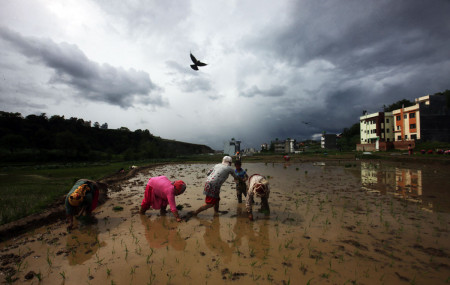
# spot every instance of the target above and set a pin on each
(194, 60)
(194, 67)
(199, 63)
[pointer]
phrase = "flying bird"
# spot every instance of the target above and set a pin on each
(196, 62)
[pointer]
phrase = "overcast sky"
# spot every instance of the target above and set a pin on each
(272, 65)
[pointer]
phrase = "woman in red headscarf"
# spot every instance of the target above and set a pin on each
(160, 192)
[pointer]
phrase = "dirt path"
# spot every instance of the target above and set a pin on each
(325, 226)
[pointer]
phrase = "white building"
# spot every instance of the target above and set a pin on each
(232, 147)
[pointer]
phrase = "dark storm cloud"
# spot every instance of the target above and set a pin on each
(91, 80)
(364, 34)
(274, 91)
(379, 52)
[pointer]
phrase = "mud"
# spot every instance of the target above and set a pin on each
(329, 222)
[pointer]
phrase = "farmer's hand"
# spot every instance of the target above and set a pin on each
(179, 219)
(250, 216)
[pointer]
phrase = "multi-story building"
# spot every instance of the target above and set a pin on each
(407, 120)
(376, 127)
(427, 120)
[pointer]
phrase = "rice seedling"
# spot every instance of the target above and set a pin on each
(152, 277)
(39, 276)
(186, 273)
(252, 252)
(288, 242)
(63, 275)
(170, 277)
(108, 272)
(99, 261)
(300, 253)
(19, 265)
(255, 277)
(49, 260)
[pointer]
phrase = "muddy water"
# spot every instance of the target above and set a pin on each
(357, 223)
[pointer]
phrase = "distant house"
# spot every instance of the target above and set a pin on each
(286, 146)
(232, 147)
(264, 146)
(328, 141)
(289, 146)
(278, 146)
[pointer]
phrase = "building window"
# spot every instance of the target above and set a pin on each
(387, 121)
(412, 115)
(399, 138)
(405, 116)
(398, 128)
(406, 137)
(413, 137)
(412, 126)
(398, 118)
(387, 131)
(387, 139)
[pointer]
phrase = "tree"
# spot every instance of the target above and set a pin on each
(96, 125)
(12, 142)
(398, 105)
(104, 126)
(350, 137)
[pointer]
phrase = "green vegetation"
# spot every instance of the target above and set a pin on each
(349, 138)
(41, 139)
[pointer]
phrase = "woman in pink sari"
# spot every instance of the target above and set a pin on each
(160, 192)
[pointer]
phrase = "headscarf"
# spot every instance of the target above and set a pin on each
(227, 160)
(261, 187)
(179, 186)
(77, 197)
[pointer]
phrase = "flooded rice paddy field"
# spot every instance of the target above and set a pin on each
(330, 223)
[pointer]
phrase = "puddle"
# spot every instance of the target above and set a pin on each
(330, 222)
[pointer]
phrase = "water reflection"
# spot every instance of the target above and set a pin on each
(258, 241)
(413, 185)
(83, 244)
(159, 234)
(214, 241)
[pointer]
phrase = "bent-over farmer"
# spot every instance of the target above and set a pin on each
(160, 192)
(82, 199)
(258, 186)
(216, 177)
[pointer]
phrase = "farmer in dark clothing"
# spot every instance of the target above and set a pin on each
(82, 199)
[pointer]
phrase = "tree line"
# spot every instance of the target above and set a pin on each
(42, 139)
